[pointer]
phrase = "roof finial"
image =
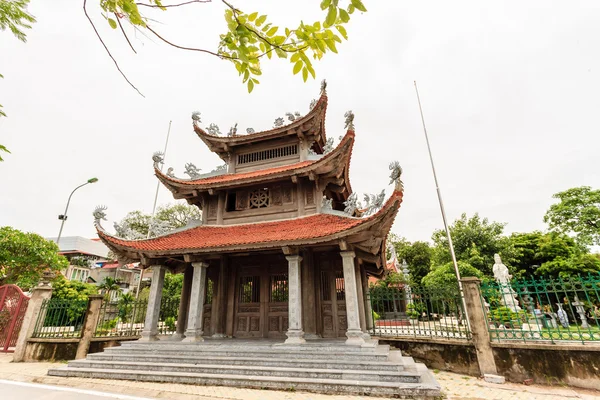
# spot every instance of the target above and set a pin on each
(395, 175)
(99, 215)
(192, 171)
(158, 158)
(323, 87)
(232, 130)
(349, 123)
(196, 116)
(213, 129)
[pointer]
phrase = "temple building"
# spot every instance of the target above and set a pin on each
(275, 274)
(282, 253)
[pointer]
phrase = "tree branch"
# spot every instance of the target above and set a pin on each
(106, 48)
(174, 5)
(124, 34)
(189, 48)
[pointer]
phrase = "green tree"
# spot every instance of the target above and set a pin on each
(25, 256)
(564, 267)
(109, 285)
(125, 306)
(475, 240)
(577, 213)
(62, 289)
(534, 249)
(445, 277)
(417, 255)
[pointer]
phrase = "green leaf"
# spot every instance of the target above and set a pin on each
(280, 53)
(325, 4)
(321, 45)
(350, 9)
(331, 16)
(304, 74)
(344, 15)
(250, 86)
(331, 44)
(295, 57)
(317, 25)
(297, 67)
(252, 16)
(261, 20)
(246, 75)
(359, 5)
(112, 23)
(272, 31)
(342, 31)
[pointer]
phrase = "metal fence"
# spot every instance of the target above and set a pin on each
(543, 309)
(60, 319)
(417, 312)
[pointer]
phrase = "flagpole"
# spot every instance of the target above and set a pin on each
(137, 293)
(439, 194)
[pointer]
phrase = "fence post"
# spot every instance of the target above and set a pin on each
(89, 325)
(479, 327)
(40, 293)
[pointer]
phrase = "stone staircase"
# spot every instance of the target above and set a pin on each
(325, 366)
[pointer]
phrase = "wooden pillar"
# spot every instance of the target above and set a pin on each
(194, 331)
(219, 309)
(220, 208)
(301, 198)
(353, 333)
(232, 286)
(150, 331)
(184, 303)
(309, 317)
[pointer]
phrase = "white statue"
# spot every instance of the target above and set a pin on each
(500, 270)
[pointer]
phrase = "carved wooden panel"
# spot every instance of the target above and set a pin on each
(310, 196)
(327, 307)
(328, 323)
(213, 204)
(287, 194)
(254, 324)
(276, 196)
(242, 326)
(206, 325)
(343, 323)
(241, 200)
(273, 324)
(285, 324)
(278, 309)
(341, 307)
(249, 309)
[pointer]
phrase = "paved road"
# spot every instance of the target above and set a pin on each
(33, 391)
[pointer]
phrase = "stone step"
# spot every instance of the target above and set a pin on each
(266, 362)
(334, 347)
(426, 389)
(291, 372)
(199, 351)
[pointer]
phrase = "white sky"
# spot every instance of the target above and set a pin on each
(510, 91)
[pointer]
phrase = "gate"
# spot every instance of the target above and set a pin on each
(13, 304)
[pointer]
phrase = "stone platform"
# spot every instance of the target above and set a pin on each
(325, 366)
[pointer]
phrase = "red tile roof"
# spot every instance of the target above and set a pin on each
(216, 236)
(243, 175)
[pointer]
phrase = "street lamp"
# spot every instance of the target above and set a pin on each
(63, 217)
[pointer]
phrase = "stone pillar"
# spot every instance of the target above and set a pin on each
(184, 304)
(39, 294)
(479, 329)
(354, 334)
(150, 331)
(219, 309)
(367, 298)
(89, 325)
(194, 328)
(295, 333)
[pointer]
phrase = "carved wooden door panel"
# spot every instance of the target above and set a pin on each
(332, 299)
(248, 314)
(277, 312)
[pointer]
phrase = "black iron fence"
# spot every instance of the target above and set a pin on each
(60, 319)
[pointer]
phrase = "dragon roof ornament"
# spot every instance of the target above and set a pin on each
(349, 120)
(196, 116)
(324, 87)
(396, 175)
(99, 215)
(158, 157)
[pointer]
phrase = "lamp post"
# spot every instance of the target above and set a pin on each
(63, 217)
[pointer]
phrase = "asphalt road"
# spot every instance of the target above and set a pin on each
(32, 391)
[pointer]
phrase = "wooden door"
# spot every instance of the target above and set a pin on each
(332, 299)
(248, 311)
(277, 312)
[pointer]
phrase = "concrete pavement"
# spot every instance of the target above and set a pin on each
(454, 387)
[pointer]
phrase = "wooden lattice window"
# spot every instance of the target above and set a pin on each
(278, 289)
(259, 198)
(249, 289)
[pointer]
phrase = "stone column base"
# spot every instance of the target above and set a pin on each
(295, 337)
(193, 336)
(219, 336)
(148, 337)
(176, 337)
(355, 338)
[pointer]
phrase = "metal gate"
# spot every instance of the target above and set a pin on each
(13, 304)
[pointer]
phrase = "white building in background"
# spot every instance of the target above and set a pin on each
(84, 256)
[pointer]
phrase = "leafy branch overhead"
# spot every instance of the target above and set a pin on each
(249, 36)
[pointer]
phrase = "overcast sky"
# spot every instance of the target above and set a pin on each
(510, 92)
